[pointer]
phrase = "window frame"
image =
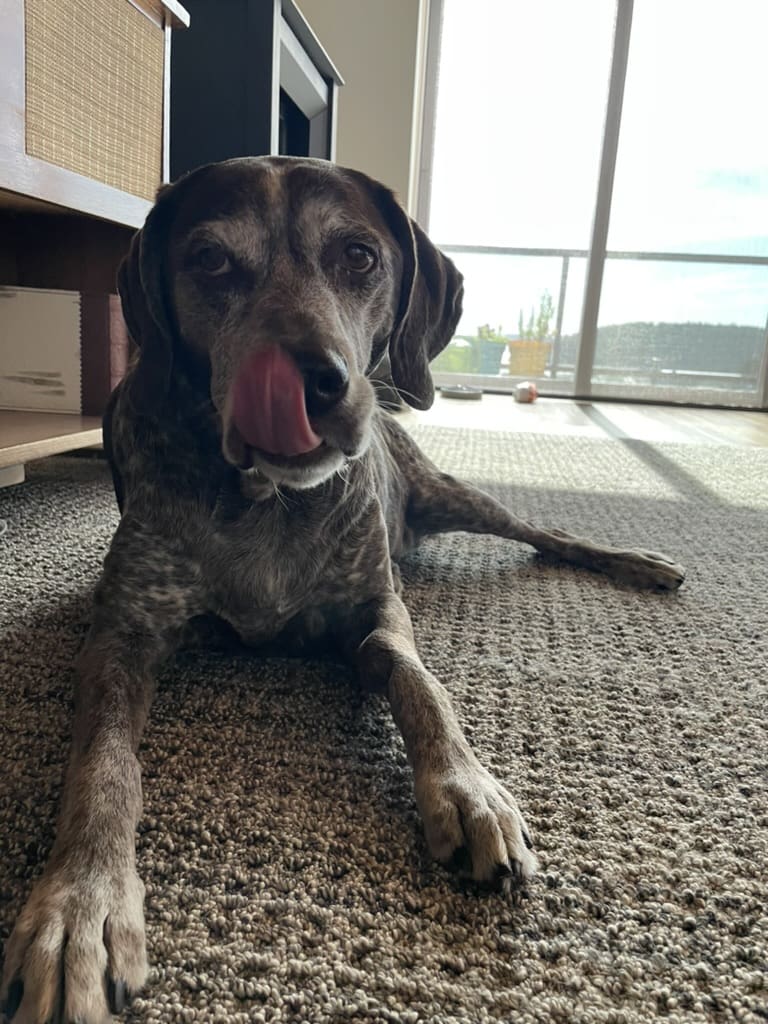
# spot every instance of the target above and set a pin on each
(598, 253)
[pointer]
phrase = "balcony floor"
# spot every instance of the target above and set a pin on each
(739, 427)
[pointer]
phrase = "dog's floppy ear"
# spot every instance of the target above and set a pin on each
(429, 309)
(142, 284)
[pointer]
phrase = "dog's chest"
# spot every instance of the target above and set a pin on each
(272, 565)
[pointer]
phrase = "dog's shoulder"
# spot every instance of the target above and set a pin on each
(172, 456)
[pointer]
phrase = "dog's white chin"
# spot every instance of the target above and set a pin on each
(299, 472)
(299, 477)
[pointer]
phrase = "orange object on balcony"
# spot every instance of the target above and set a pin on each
(528, 358)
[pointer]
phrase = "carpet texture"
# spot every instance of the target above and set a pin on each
(286, 874)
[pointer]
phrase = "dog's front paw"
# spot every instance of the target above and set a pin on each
(77, 952)
(633, 566)
(648, 569)
(472, 823)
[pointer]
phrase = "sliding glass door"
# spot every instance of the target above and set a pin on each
(677, 305)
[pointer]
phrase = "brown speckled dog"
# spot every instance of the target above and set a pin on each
(259, 483)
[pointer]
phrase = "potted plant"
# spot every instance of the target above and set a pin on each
(529, 352)
(489, 347)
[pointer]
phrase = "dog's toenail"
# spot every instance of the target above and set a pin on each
(14, 997)
(527, 840)
(116, 993)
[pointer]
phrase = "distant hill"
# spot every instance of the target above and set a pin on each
(718, 348)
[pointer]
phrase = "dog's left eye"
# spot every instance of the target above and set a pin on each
(212, 259)
(359, 258)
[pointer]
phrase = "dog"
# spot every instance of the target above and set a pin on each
(259, 482)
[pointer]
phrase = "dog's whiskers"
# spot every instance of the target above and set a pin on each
(282, 498)
(387, 388)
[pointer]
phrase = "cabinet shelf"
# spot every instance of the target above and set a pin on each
(32, 184)
(25, 436)
(78, 166)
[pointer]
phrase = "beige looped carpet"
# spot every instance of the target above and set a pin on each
(287, 878)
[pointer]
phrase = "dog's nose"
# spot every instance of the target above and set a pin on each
(325, 383)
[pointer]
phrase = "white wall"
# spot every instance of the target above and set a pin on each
(375, 44)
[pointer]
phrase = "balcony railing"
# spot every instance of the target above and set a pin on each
(655, 374)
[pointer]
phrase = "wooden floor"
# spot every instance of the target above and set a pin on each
(737, 427)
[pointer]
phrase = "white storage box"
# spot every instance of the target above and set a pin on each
(60, 351)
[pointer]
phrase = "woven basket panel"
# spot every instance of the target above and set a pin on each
(94, 81)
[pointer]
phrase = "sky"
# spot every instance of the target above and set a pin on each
(521, 105)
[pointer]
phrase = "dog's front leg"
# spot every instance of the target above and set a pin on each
(471, 822)
(77, 952)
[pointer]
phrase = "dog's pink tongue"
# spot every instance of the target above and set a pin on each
(268, 406)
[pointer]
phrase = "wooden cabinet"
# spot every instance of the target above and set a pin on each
(84, 130)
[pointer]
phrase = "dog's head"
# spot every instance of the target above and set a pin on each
(283, 282)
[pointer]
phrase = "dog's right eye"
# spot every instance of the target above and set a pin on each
(359, 258)
(212, 259)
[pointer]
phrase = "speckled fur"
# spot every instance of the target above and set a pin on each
(279, 549)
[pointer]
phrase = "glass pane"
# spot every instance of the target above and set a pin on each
(520, 110)
(692, 166)
(518, 132)
(691, 178)
(499, 334)
(681, 331)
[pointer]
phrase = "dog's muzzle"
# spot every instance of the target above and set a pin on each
(274, 395)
